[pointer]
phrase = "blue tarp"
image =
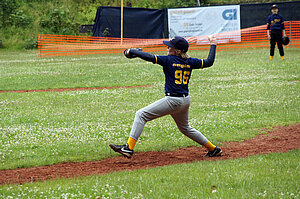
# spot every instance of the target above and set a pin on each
(138, 23)
(153, 23)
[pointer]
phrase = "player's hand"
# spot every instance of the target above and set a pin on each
(127, 54)
(269, 37)
(212, 40)
(130, 55)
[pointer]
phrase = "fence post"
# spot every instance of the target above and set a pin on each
(290, 34)
(122, 20)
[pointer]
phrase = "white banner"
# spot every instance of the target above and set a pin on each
(200, 21)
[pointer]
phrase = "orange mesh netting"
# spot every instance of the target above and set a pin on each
(255, 37)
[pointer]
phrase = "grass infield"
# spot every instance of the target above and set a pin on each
(233, 100)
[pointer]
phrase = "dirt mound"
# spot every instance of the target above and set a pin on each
(280, 139)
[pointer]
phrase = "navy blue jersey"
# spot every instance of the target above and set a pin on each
(275, 22)
(176, 69)
(178, 72)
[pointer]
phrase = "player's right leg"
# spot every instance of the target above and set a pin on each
(272, 46)
(157, 109)
(122, 149)
(280, 45)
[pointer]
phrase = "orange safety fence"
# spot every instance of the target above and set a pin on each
(254, 37)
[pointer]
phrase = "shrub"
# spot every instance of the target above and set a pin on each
(31, 43)
(7, 7)
(1, 44)
(59, 21)
(20, 18)
(12, 15)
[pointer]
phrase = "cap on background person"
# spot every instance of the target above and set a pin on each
(179, 43)
(274, 7)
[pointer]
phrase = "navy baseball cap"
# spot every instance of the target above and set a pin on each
(179, 43)
(274, 7)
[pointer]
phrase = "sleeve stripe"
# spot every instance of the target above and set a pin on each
(202, 63)
(155, 59)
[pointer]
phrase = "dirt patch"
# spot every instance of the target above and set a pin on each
(71, 89)
(280, 139)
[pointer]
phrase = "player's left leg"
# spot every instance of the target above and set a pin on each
(280, 45)
(181, 119)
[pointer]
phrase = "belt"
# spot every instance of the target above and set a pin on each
(177, 94)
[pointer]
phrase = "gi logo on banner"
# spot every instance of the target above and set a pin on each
(230, 14)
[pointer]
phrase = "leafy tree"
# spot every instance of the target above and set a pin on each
(7, 8)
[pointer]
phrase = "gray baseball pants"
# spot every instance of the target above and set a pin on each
(177, 107)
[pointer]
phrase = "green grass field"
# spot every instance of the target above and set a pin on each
(233, 100)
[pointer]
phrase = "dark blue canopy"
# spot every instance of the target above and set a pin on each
(138, 23)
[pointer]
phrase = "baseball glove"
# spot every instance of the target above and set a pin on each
(130, 55)
(285, 40)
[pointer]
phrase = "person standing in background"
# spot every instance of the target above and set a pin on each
(275, 29)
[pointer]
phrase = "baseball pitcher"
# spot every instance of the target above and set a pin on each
(177, 67)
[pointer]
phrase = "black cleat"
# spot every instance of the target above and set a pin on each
(123, 149)
(216, 152)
